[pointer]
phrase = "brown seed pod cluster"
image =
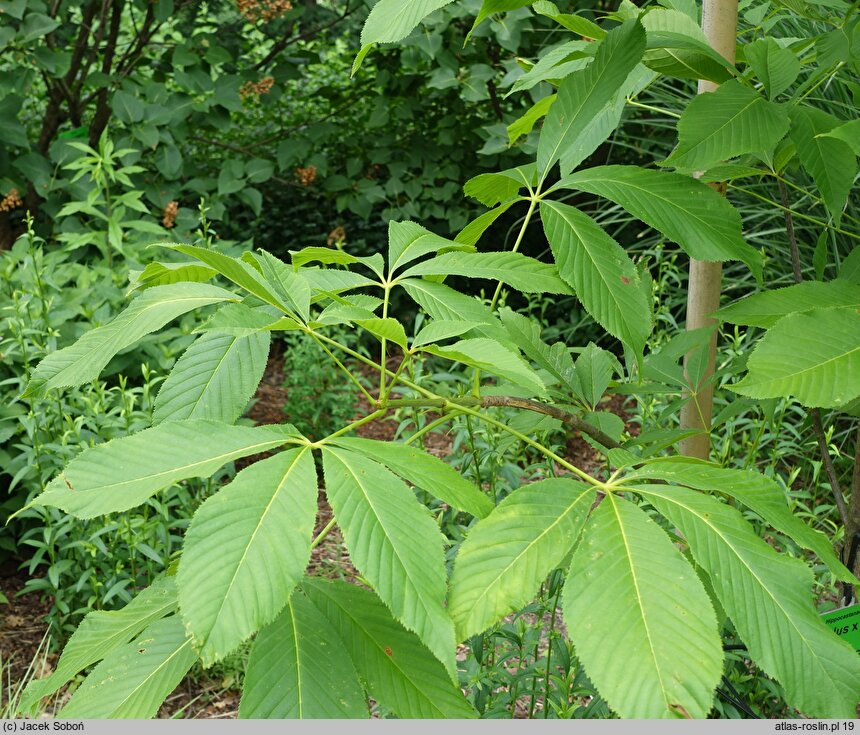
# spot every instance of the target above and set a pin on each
(11, 201)
(170, 212)
(265, 10)
(337, 236)
(256, 88)
(307, 176)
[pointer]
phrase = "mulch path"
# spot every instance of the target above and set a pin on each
(22, 626)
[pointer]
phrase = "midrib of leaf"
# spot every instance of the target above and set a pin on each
(720, 129)
(301, 702)
(816, 366)
(396, 263)
(250, 543)
(181, 468)
(645, 620)
(609, 289)
(674, 55)
(549, 528)
(116, 331)
(391, 659)
(153, 673)
(729, 546)
(212, 374)
(574, 116)
(379, 520)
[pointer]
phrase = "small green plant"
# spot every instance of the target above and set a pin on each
(319, 400)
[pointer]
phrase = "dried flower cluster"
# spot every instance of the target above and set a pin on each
(307, 176)
(170, 212)
(337, 236)
(265, 10)
(11, 201)
(256, 88)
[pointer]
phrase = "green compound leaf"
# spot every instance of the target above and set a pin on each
(85, 359)
(396, 667)
(682, 208)
(134, 680)
(123, 473)
(515, 269)
(584, 94)
(640, 618)
(768, 597)
(229, 583)
(755, 491)
(298, 670)
(766, 308)
(100, 633)
(395, 543)
(507, 555)
(732, 121)
(603, 276)
(214, 379)
(424, 471)
(813, 357)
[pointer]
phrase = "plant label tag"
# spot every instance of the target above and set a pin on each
(846, 624)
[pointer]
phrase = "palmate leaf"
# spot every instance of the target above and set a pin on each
(768, 597)
(755, 491)
(85, 359)
(134, 680)
(214, 379)
(438, 330)
(812, 356)
(830, 161)
(298, 670)
(396, 668)
(732, 121)
(682, 208)
(602, 275)
(640, 619)
(122, 473)
(100, 633)
(766, 308)
(408, 241)
(424, 471)
(395, 544)
(229, 586)
(515, 269)
(584, 94)
(506, 556)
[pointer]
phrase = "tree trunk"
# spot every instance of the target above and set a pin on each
(719, 22)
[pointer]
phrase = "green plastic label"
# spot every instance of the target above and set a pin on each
(846, 624)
